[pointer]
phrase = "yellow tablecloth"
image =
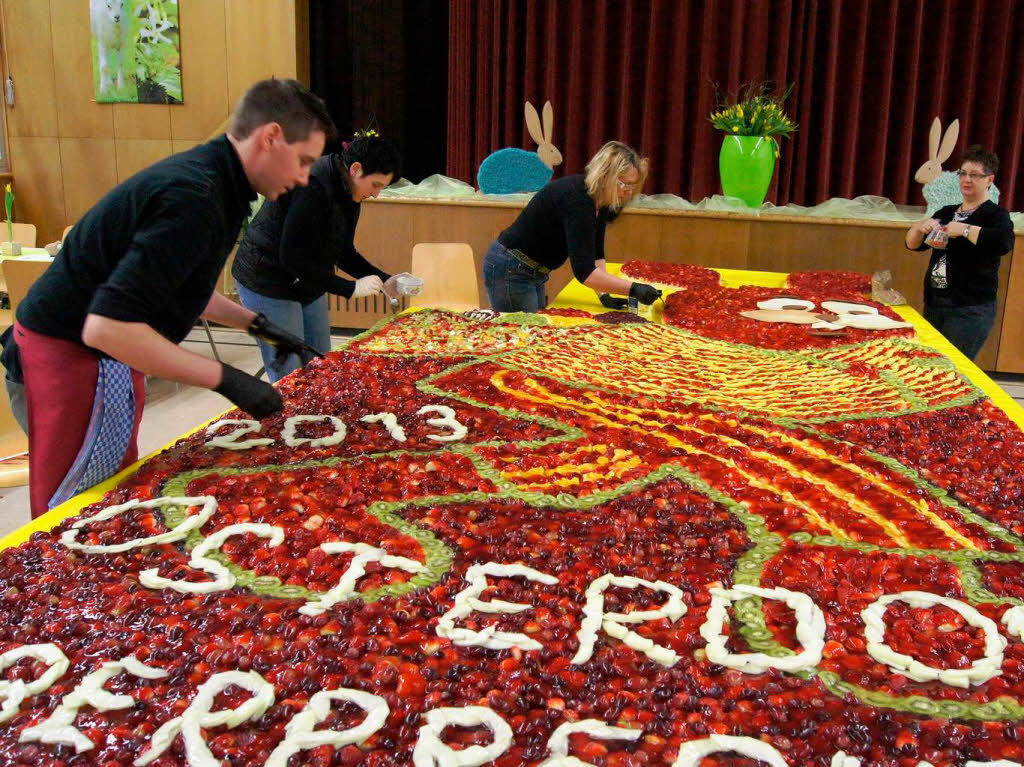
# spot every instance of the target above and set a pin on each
(577, 296)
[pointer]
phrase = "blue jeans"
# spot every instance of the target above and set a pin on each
(512, 286)
(966, 327)
(309, 322)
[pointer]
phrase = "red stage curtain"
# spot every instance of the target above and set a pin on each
(870, 76)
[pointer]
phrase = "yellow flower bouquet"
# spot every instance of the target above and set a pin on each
(752, 125)
(757, 112)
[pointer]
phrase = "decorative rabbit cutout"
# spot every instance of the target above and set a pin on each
(513, 170)
(941, 187)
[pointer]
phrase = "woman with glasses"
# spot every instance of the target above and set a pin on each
(966, 241)
(566, 221)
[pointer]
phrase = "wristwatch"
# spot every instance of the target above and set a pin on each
(967, 231)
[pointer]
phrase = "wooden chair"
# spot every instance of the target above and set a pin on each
(64, 234)
(449, 276)
(13, 446)
(23, 233)
(20, 274)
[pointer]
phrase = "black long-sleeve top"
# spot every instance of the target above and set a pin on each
(561, 222)
(292, 245)
(151, 250)
(972, 270)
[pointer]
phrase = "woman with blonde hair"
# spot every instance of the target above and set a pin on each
(566, 221)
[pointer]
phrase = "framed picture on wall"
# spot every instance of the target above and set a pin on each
(136, 51)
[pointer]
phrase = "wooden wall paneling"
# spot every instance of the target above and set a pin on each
(39, 185)
(78, 115)
(387, 232)
(782, 246)
(134, 154)
(90, 170)
(704, 241)
(145, 121)
(477, 226)
(393, 228)
(384, 235)
(30, 63)
(204, 71)
(468, 225)
(181, 146)
(382, 238)
(632, 236)
(357, 313)
(260, 42)
(1011, 346)
(908, 268)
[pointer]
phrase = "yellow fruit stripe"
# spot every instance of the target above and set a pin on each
(456, 335)
(851, 500)
(932, 384)
(936, 386)
(720, 374)
(550, 398)
(881, 352)
(565, 456)
(614, 471)
(604, 468)
(918, 503)
(569, 468)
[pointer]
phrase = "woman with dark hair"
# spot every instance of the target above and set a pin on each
(285, 263)
(566, 220)
(966, 241)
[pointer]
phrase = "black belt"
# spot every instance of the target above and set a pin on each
(525, 260)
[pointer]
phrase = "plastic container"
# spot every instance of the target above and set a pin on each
(938, 238)
(409, 285)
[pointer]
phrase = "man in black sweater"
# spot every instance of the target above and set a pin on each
(134, 275)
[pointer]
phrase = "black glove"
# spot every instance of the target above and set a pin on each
(645, 294)
(257, 398)
(283, 342)
(612, 302)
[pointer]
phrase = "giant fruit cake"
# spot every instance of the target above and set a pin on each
(548, 540)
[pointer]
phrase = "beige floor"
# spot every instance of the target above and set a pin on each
(171, 410)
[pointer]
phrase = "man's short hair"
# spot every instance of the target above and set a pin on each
(288, 103)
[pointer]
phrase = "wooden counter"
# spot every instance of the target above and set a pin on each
(388, 228)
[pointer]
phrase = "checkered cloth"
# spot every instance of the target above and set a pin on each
(110, 431)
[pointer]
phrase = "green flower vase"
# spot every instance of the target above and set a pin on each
(746, 165)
